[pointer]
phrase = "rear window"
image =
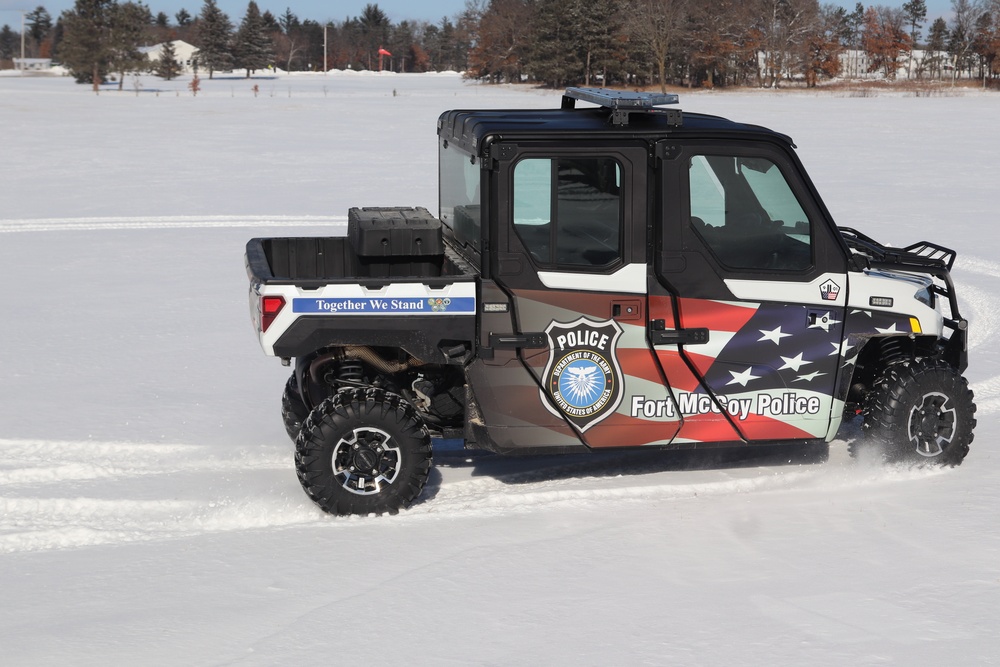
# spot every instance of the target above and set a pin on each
(459, 203)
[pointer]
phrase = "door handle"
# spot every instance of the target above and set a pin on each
(516, 341)
(660, 336)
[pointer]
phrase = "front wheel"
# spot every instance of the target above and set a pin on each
(920, 411)
(363, 451)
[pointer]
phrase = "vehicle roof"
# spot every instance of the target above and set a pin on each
(470, 128)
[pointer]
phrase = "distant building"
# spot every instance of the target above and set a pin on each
(33, 64)
(183, 52)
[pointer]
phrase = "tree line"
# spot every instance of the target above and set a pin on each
(552, 42)
(98, 39)
(727, 42)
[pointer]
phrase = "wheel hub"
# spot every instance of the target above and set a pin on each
(365, 461)
(931, 424)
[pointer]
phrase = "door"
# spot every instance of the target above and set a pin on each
(747, 257)
(574, 259)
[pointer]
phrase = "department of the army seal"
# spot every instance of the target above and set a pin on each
(582, 377)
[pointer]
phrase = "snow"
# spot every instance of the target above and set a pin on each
(149, 512)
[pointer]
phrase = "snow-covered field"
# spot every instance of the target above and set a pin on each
(149, 512)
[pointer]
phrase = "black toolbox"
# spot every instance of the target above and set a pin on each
(396, 241)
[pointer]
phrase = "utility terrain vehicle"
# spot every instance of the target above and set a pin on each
(606, 274)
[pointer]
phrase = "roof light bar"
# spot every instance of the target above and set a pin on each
(620, 99)
(621, 103)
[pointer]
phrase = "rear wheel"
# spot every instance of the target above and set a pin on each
(363, 451)
(293, 408)
(919, 411)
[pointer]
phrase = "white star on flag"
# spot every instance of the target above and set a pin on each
(773, 335)
(839, 348)
(824, 322)
(890, 330)
(809, 377)
(795, 363)
(742, 378)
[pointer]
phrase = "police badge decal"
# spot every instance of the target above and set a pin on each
(582, 377)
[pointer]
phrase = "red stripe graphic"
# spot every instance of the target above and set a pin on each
(714, 315)
(679, 375)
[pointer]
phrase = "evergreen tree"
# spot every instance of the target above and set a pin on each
(129, 24)
(213, 39)
(456, 40)
(8, 43)
(601, 35)
(375, 27)
(553, 57)
(86, 43)
(853, 34)
(289, 21)
(166, 66)
(311, 34)
(937, 43)
(288, 41)
(915, 12)
(183, 18)
(39, 25)
(252, 47)
(271, 24)
(55, 38)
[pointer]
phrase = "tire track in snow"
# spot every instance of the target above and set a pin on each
(168, 222)
(30, 462)
(56, 495)
(649, 482)
(983, 305)
(59, 494)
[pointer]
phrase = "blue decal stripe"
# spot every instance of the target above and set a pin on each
(462, 305)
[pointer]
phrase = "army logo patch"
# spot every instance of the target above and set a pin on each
(582, 377)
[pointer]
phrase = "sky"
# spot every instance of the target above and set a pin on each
(337, 10)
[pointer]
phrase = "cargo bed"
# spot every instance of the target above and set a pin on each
(311, 293)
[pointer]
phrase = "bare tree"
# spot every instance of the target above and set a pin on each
(659, 25)
(821, 57)
(965, 15)
(785, 26)
(502, 40)
(885, 39)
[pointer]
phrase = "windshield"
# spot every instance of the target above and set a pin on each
(459, 198)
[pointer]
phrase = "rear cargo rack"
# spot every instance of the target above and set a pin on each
(621, 103)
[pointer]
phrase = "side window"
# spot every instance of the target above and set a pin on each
(745, 211)
(567, 210)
